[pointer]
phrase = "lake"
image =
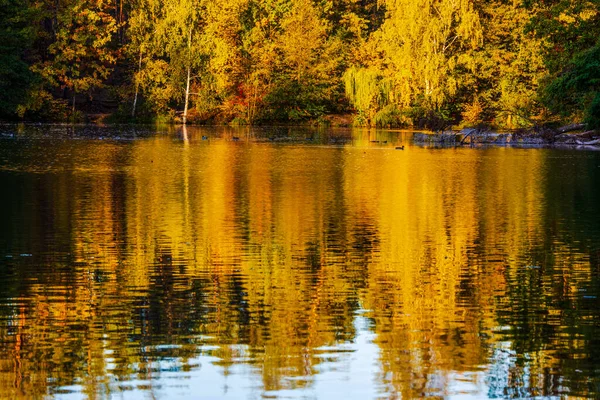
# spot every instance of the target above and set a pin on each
(294, 263)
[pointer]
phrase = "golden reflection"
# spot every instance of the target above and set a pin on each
(265, 254)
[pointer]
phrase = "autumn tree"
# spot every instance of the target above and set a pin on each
(422, 43)
(395, 62)
(80, 57)
(300, 45)
(289, 66)
(501, 78)
(568, 27)
(419, 48)
(140, 36)
(221, 88)
(165, 39)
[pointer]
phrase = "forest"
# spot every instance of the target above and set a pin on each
(388, 63)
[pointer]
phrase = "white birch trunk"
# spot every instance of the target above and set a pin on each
(187, 96)
(137, 87)
(187, 86)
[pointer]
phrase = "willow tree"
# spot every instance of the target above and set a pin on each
(367, 90)
(422, 42)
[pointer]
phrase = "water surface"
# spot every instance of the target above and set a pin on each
(290, 263)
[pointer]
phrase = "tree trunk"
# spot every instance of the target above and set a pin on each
(137, 86)
(570, 128)
(187, 86)
(121, 26)
(187, 96)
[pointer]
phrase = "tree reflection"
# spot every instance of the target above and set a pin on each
(164, 250)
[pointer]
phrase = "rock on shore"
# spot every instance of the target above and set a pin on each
(475, 136)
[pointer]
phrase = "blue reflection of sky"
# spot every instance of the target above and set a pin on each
(348, 371)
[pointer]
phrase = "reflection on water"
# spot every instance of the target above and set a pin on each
(298, 264)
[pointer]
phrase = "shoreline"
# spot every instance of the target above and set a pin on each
(566, 137)
(551, 138)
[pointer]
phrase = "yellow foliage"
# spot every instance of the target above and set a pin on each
(303, 35)
(472, 112)
(421, 41)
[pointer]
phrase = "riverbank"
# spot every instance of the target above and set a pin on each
(572, 135)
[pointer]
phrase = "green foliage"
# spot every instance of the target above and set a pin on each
(238, 122)
(435, 120)
(577, 88)
(291, 101)
(360, 120)
(391, 117)
(16, 37)
(568, 27)
(570, 30)
(41, 105)
(592, 115)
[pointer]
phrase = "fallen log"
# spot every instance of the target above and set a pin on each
(569, 128)
(470, 131)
